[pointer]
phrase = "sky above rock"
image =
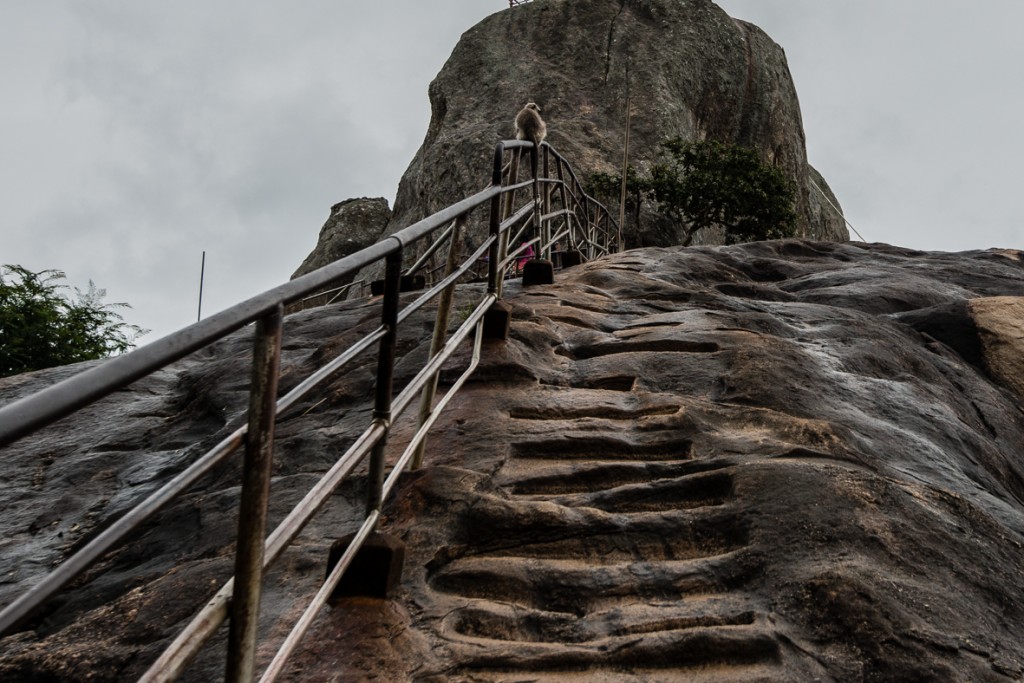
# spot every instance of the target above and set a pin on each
(136, 136)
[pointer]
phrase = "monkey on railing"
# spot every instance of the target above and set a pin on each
(530, 126)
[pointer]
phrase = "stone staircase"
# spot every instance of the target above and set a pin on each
(710, 465)
(606, 558)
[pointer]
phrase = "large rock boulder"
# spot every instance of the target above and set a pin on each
(1000, 324)
(353, 225)
(824, 210)
(689, 69)
(777, 461)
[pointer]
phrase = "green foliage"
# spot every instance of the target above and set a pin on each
(709, 183)
(41, 327)
(607, 187)
(706, 184)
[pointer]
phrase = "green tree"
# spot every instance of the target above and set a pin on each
(608, 188)
(706, 184)
(710, 183)
(42, 327)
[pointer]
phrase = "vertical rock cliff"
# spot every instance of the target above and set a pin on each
(686, 66)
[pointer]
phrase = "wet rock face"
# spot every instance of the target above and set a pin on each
(689, 69)
(779, 461)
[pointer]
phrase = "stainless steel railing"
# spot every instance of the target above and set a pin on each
(555, 209)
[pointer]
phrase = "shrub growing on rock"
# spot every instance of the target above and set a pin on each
(41, 327)
(708, 184)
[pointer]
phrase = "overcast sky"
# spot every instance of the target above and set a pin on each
(136, 135)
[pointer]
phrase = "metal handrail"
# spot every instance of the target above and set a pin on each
(31, 413)
(254, 551)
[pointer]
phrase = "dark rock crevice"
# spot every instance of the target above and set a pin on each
(609, 47)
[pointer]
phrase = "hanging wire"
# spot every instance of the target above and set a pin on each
(838, 210)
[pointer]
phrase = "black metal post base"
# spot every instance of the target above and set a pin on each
(538, 272)
(571, 258)
(375, 571)
(498, 321)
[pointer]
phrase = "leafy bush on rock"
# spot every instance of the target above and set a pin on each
(707, 184)
(42, 327)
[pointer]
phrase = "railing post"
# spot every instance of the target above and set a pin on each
(252, 508)
(584, 213)
(513, 178)
(537, 271)
(507, 208)
(497, 319)
(592, 233)
(385, 378)
(545, 240)
(494, 253)
(444, 307)
(565, 201)
(538, 228)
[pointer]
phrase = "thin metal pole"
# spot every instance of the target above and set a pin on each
(252, 509)
(538, 228)
(546, 230)
(494, 253)
(385, 378)
(202, 275)
(565, 202)
(625, 172)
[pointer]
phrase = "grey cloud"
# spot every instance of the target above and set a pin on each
(140, 134)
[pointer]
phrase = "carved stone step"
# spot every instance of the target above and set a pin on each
(534, 477)
(578, 586)
(666, 494)
(604, 447)
(544, 529)
(484, 619)
(682, 650)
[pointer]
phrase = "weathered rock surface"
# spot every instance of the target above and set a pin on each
(779, 461)
(709, 77)
(824, 210)
(690, 70)
(1000, 323)
(353, 225)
